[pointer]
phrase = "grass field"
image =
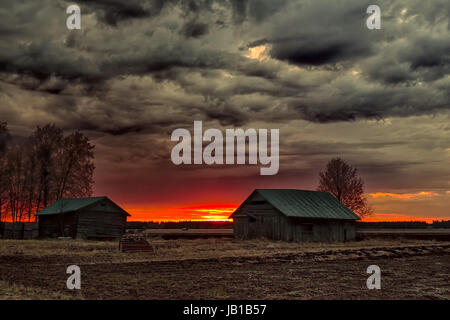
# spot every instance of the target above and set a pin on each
(225, 269)
(418, 234)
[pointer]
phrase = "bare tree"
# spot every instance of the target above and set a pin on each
(31, 177)
(16, 169)
(74, 167)
(37, 171)
(342, 181)
(47, 140)
(4, 139)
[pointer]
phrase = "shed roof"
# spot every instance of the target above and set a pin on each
(73, 204)
(304, 204)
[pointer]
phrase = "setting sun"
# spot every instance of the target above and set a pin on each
(206, 212)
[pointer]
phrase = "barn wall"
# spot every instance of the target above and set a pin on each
(57, 225)
(259, 219)
(30, 230)
(240, 227)
(276, 227)
(99, 224)
(334, 230)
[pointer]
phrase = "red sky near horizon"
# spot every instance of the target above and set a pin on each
(221, 211)
(206, 212)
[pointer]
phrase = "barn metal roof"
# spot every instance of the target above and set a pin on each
(306, 204)
(71, 204)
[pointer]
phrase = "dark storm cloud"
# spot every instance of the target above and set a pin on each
(112, 12)
(318, 33)
(76, 58)
(226, 115)
(194, 29)
(429, 54)
(315, 53)
(317, 60)
(375, 104)
(73, 58)
(43, 59)
(254, 10)
(320, 148)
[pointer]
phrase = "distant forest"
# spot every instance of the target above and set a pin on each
(229, 225)
(180, 224)
(37, 170)
(404, 225)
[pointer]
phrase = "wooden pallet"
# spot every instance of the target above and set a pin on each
(134, 245)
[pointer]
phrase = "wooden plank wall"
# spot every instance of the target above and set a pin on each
(97, 224)
(261, 220)
(20, 230)
(58, 225)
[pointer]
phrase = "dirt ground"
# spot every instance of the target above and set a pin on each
(225, 269)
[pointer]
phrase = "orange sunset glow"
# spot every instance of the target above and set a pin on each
(404, 195)
(389, 207)
(210, 212)
(222, 212)
(392, 217)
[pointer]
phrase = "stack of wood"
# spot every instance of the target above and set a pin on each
(19, 230)
(134, 244)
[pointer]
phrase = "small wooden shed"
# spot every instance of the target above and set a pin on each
(293, 215)
(85, 218)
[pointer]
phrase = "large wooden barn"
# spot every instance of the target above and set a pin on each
(85, 218)
(293, 215)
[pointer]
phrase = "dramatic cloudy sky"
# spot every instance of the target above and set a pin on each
(139, 69)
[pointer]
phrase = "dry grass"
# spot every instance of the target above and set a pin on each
(221, 269)
(11, 291)
(180, 248)
(83, 251)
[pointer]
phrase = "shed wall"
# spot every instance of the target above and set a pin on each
(56, 225)
(259, 219)
(98, 224)
(293, 229)
(104, 219)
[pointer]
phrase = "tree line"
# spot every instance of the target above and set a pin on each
(37, 170)
(436, 224)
